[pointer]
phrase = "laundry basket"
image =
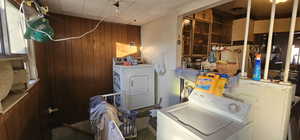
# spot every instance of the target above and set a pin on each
(127, 118)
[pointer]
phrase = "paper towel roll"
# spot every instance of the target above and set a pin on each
(6, 78)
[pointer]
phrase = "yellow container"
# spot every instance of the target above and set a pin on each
(211, 83)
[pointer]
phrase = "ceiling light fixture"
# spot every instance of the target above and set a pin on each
(279, 1)
(117, 6)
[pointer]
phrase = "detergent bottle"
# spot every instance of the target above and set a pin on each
(211, 83)
(257, 68)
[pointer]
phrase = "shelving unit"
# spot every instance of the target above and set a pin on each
(203, 30)
(200, 40)
(187, 36)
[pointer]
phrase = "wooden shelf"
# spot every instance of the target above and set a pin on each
(217, 22)
(199, 55)
(203, 33)
(199, 33)
(216, 34)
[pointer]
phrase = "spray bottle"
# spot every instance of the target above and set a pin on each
(257, 68)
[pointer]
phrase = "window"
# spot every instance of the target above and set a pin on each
(18, 45)
(1, 40)
(4, 44)
(12, 40)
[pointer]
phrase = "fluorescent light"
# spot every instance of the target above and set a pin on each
(279, 1)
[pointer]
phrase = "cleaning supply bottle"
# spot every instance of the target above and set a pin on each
(212, 56)
(257, 68)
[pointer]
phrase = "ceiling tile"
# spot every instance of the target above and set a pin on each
(142, 11)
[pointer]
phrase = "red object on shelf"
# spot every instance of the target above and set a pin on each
(127, 63)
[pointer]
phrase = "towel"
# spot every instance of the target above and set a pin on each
(101, 113)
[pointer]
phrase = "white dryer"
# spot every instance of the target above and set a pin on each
(135, 84)
(205, 117)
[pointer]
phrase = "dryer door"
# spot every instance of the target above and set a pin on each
(139, 84)
(139, 94)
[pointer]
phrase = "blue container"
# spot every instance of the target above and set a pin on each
(257, 68)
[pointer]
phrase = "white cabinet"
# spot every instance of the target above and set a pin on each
(238, 30)
(270, 110)
(280, 25)
(136, 85)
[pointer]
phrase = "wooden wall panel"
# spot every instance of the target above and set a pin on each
(3, 131)
(28, 119)
(82, 68)
(22, 122)
(43, 89)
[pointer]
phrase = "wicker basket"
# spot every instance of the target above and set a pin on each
(230, 69)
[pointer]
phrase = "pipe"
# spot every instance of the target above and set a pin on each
(269, 47)
(244, 74)
(291, 41)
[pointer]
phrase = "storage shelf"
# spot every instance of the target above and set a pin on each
(13, 98)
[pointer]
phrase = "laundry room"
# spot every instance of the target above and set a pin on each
(149, 70)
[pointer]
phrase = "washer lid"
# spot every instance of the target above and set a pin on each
(199, 119)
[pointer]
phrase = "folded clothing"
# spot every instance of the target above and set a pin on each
(101, 113)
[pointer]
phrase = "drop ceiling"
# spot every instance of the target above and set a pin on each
(135, 12)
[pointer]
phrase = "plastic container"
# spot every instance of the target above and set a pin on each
(257, 68)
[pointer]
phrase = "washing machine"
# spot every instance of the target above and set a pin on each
(205, 117)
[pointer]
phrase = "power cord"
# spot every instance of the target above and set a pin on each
(21, 10)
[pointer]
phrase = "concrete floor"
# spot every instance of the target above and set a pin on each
(65, 133)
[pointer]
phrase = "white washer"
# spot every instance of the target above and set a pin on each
(204, 117)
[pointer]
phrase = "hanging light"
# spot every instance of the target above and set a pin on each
(279, 1)
(117, 6)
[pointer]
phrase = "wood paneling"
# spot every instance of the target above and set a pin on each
(3, 131)
(82, 68)
(43, 89)
(22, 122)
(28, 119)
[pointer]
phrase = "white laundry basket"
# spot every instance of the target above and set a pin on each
(127, 118)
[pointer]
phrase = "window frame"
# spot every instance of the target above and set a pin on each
(5, 45)
(30, 61)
